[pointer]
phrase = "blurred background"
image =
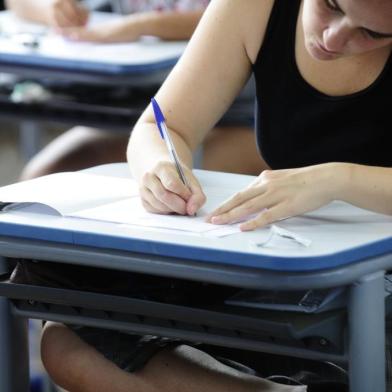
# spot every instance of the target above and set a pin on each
(11, 163)
(12, 157)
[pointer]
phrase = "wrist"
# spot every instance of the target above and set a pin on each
(339, 177)
(142, 23)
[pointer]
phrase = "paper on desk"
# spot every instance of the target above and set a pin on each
(131, 212)
(111, 199)
(145, 51)
(71, 191)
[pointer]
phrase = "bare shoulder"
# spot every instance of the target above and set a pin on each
(246, 20)
(251, 17)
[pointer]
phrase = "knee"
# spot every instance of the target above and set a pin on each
(75, 149)
(61, 357)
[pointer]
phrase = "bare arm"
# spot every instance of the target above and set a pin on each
(367, 187)
(170, 25)
(28, 9)
(278, 194)
(212, 71)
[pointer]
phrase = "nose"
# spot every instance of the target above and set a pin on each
(336, 36)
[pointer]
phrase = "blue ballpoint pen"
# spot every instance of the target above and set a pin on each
(160, 120)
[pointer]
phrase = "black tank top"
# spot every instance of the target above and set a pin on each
(296, 125)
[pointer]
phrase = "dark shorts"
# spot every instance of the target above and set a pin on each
(132, 352)
(129, 352)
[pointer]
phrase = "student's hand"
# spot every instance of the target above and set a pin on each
(277, 195)
(117, 30)
(65, 13)
(163, 192)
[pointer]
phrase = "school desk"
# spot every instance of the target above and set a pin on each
(349, 247)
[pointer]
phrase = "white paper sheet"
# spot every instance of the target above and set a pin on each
(112, 199)
(131, 212)
(70, 192)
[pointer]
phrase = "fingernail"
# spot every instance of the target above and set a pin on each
(246, 227)
(192, 209)
(216, 219)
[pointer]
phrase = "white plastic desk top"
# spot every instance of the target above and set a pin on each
(147, 55)
(340, 234)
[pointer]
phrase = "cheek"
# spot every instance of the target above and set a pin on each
(363, 44)
(314, 21)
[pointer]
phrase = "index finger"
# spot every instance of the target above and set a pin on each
(234, 201)
(172, 182)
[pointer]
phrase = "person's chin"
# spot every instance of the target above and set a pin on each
(320, 53)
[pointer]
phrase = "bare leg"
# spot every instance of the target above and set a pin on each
(76, 149)
(232, 150)
(78, 367)
(226, 149)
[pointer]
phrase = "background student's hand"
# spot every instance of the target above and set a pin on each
(65, 13)
(278, 194)
(163, 192)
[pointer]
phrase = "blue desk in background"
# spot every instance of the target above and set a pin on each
(350, 248)
(145, 61)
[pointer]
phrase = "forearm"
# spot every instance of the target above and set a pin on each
(32, 10)
(369, 187)
(165, 25)
(146, 148)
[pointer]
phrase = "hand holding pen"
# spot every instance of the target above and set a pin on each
(165, 135)
(170, 187)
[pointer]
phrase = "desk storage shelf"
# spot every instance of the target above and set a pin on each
(310, 336)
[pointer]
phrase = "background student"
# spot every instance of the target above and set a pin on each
(82, 146)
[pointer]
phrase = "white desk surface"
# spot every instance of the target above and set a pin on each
(339, 234)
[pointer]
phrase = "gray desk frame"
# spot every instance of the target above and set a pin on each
(365, 281)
